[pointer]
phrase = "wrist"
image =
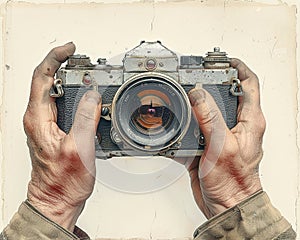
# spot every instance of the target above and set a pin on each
(55, 207)
(230, 197)
(62, 214)
(251, 186)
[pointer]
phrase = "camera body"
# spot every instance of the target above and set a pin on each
(145, 108)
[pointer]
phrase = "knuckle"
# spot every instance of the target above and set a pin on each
(85, 115)
(69, 149)
(36, 72)
(230, 151)
(257, 123)
(84, 121)
(207, 112)
(55, 50)
(211, 116)
(255, 76)
(27, 122)
(260, 123)
(70, 153)
(54, 56)
(214, 116)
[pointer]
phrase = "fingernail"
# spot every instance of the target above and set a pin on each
(196, 96)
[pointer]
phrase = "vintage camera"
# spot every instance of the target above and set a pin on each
(145, 108)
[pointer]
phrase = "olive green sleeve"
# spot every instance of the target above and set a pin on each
(254, 218)
(29, 223)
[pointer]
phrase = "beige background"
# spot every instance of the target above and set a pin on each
(263, 35)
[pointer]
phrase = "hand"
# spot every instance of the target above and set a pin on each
(63, 165)
(227, 172)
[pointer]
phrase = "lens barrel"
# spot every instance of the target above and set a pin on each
(150, 112)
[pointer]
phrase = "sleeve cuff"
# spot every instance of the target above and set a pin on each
(254, 218)
(29, 223)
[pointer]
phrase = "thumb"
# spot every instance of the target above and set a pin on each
(85, 125)
(212, 125)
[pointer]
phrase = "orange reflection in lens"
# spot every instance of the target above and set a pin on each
(153, 99)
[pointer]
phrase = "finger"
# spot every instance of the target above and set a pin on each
(249, 109)
(213, 127)
(42, 79)
(243, 70)
(85, 125)
(250, 85)
(207, 114)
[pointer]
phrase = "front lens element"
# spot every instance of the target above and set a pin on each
(154, 114)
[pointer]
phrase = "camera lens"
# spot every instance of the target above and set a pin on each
(150, 112)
